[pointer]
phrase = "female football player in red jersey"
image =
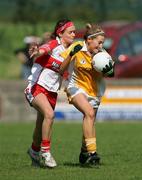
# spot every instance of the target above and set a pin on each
(41, 92)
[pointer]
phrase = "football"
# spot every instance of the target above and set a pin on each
(100, 60)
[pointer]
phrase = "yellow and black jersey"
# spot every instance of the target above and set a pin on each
(82, 74)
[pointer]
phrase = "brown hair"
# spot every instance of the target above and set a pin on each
(92, 29)
(59, 24)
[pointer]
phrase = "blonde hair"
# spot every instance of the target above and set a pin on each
(93, 30)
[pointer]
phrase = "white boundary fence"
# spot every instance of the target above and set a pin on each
(122, 101)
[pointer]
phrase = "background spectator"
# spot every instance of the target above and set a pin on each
(24, 57)
(46, 37)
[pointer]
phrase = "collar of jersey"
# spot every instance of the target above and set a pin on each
(58, 39)
(84, 48)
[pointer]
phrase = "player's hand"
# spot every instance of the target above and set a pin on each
(76, 48)
(33, 50)
(108, 70)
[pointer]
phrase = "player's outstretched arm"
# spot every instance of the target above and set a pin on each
(34, 51)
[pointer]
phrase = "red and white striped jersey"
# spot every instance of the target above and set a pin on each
(45, 69)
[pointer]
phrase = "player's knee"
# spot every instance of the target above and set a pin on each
(49, 116)
(90, 114)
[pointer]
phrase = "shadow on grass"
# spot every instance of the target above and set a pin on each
(70, 164)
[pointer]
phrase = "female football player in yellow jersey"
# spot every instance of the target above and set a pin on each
(85, 87)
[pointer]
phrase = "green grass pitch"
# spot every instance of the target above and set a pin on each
(119, 145)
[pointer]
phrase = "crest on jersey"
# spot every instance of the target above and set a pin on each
(83, 61)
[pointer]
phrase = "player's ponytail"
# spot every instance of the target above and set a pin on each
(88, 26)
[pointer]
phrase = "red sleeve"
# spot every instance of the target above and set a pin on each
(46, 61)
(49, 46)
(42, 60)
(53, 64)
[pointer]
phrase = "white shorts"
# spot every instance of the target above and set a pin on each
(73, 91)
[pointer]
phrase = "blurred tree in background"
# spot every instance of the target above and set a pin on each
(51, 10)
